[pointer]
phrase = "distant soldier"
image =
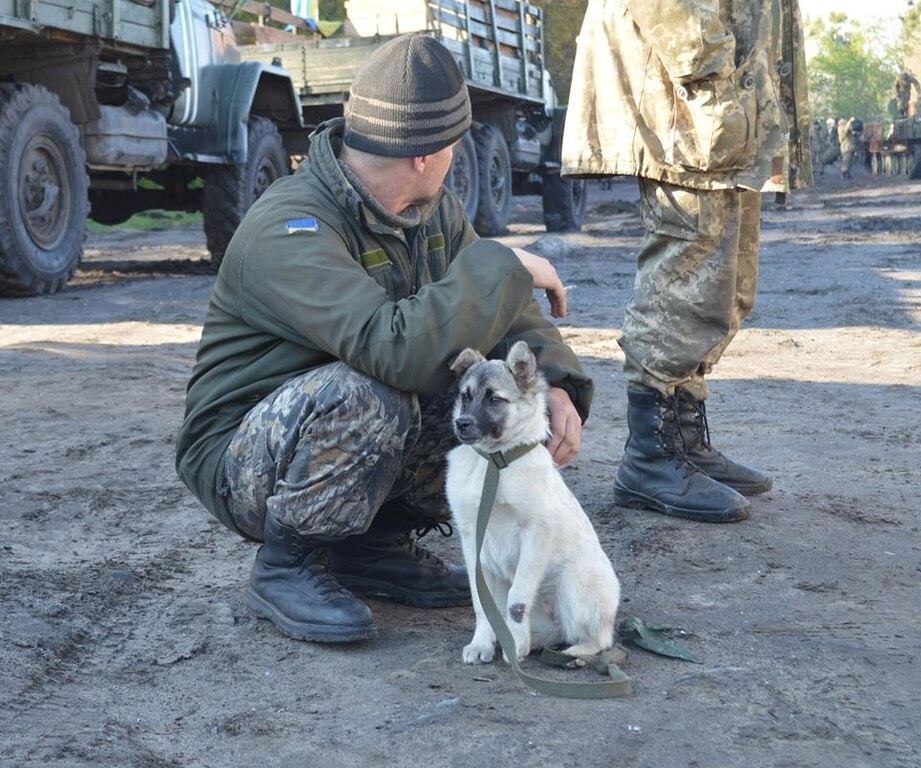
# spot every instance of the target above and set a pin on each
(905, 107)
(849, 136)
(832, 146)
(818, 138)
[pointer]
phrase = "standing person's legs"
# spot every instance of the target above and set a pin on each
(692, 410)
(684, 303)
(684, 308)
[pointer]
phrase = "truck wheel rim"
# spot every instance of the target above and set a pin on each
(44, 192)
(461, 179)
(497, 182)
(265, 175)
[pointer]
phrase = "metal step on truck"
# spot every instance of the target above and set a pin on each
(514, 144)
(110, 107)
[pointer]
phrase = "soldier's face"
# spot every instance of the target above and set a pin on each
(435, 170)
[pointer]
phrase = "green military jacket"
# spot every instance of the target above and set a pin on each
(313, 275)
(701, 95)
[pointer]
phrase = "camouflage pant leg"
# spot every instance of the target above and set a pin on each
(419, 491)
(321, 453)
(847, 161)
(746, 276)
(695, 282)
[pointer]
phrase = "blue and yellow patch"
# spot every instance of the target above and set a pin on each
(293, 226)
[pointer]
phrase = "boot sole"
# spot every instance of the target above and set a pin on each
(320, 633)
(373, 588)
(627, 498)
(751, 490)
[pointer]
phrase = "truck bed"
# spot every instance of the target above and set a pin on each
(140, 23)
(322, 70)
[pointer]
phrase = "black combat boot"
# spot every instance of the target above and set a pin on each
(696, 432)
(387, 562)
(655, 472)
(292, 587)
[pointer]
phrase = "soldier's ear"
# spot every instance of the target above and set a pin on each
(522, 364)
(464, 360)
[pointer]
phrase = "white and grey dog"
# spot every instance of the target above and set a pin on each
(541, 557)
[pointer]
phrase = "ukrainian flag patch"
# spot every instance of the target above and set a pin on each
(293, 226)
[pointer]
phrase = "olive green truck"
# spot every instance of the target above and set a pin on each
(110, 107)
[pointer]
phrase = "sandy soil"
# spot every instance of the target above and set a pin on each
(124, 639)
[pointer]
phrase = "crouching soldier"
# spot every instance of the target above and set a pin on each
(318, 413)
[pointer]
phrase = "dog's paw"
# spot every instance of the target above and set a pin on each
(522, 654)
(479, 653)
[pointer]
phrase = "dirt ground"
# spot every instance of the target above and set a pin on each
(125, 640)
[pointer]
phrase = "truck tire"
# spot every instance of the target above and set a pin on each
(495, 170)
(564, 202)
(464, 178)
(229, 190)
(43, 192)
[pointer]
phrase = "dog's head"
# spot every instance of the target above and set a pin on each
(500, 402)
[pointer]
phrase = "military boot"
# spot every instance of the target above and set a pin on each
(655, 472)
(387, 562)
(291, 586)
(696, 432)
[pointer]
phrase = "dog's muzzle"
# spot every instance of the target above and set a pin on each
(466, 429)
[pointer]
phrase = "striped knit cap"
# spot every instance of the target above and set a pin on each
(408, 99)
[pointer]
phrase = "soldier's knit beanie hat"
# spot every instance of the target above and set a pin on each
(408, 99)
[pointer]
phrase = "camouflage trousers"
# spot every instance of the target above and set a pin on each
(847, 162)
(695, 282)
(328, 449)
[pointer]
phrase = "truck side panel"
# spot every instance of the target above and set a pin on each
(129, 22)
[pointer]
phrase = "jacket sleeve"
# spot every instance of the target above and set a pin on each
(688, 37)
(309, 289)
(555, 358)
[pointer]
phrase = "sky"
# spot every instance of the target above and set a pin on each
(886, 10)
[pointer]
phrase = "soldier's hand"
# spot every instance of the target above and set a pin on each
(565, 427)
(545, 277)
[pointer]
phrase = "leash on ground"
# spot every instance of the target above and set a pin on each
(619, 685)
(648, 637)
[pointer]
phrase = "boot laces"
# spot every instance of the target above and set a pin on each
(315, 563)
(673, 441)
(419, 553)
(442, 527)
(700, 418)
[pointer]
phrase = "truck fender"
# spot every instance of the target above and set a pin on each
(252, 87)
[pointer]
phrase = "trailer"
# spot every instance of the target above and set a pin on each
(513, 146)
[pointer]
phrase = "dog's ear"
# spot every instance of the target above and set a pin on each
(464, 360)
(522, 364)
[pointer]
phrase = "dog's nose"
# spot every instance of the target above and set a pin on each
(463, 423)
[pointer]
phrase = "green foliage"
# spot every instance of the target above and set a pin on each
(150, 220)
(853, 69)
(562, 21)
(332, 10)
(909, 44)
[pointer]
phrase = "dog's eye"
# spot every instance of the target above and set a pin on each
(465, 397)
(497, 399)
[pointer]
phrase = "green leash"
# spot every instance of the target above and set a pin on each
(618, 686)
